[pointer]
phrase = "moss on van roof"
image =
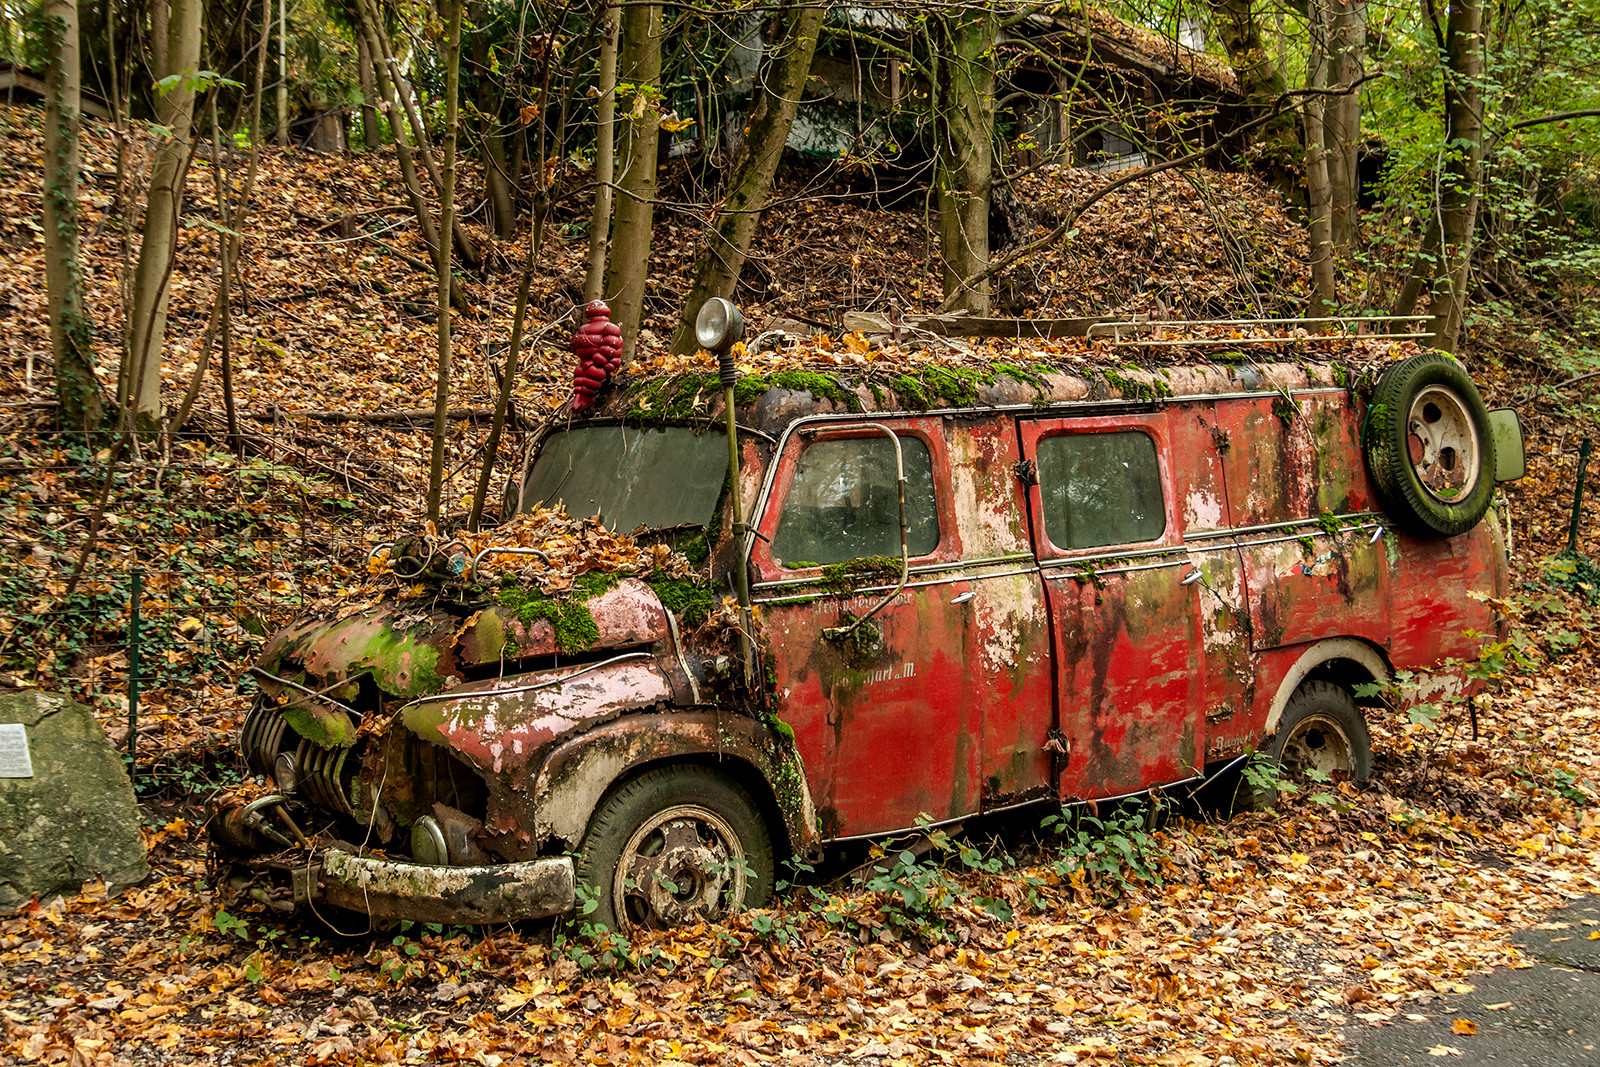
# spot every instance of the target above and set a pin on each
(859, 373)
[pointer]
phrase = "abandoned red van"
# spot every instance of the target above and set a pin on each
(923, 594)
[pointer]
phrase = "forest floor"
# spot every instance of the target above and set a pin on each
(1289, 936)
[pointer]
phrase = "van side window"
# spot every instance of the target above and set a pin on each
(1101, 489)
(843, 503)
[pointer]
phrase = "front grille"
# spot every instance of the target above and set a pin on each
(322, 777)
(321, 773)
(263, 737)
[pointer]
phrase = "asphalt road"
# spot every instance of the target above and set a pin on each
(1545, 1016)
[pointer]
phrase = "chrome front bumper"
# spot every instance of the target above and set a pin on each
(462, 896)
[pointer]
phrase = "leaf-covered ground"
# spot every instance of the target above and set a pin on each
(1264, 939)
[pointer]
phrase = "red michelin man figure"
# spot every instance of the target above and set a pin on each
(598, 346)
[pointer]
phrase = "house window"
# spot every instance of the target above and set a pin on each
(844, 503)
(1101, 489)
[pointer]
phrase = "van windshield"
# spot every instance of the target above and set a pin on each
(659, 478)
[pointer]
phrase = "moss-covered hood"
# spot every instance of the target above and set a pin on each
(405, 650)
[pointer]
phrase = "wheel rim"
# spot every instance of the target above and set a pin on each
(683, 865)
(1443, 443)
(1317, 743)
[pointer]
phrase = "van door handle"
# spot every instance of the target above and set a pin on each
(964, 597)
(1192, 577)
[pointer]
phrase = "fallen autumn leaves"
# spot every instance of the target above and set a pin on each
(1268, 939)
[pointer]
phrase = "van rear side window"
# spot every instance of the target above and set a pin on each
(844, 504)
(1101, 489)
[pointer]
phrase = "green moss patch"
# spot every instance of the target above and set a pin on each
(1137, 389)
(675, 399)
(850, 575)
(574, 626)
(691, 601)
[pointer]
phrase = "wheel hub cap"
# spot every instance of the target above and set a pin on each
(1317, 743)
(1443, 443)
(682, 865)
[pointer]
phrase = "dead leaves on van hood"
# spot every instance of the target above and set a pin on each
(559, 550)
(1270, 939)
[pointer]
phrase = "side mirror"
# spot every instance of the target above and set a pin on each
(1510, 459)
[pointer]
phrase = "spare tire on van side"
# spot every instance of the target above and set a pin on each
(1429, 447)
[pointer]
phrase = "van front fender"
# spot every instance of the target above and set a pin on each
(576, 774)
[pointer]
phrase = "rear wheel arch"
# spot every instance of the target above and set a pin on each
(1342, 661)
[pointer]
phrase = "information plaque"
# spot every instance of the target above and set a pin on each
(14, 760)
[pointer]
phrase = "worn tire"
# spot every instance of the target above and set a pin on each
(680, 830)
(1321, 727)
(1429, 448)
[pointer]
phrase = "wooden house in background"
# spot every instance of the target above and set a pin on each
(1085, 87)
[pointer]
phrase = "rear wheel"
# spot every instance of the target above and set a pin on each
(674, 846)
(1321, 731)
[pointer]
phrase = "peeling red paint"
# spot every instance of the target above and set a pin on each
(1005, 669)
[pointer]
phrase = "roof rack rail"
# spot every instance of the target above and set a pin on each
(1115, 330)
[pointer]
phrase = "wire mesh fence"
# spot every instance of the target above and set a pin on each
(147, 588)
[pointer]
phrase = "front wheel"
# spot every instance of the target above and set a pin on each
(673, 846)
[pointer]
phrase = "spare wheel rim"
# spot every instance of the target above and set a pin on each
(1442, 444)
(1317, 742)
(683, 865)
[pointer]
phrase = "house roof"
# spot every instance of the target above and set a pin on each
(1090, 33)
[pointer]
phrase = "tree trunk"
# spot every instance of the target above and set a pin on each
(450, 11)
(327, 133)
(78, 390)
(283, 72)
(639, 60)
(369, 114)
(497, 182)
(1319, 190)
(1463, 166)
(139, 380)
(781, 81)
(159, 28)
(1347, 39)
(502, 213)
(1276, 144)
(604, 158)
(403, 105)
(491, 447)
(964, 152)
(230, 244)
(408, 166)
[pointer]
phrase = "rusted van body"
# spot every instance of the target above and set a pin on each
(1095, 584)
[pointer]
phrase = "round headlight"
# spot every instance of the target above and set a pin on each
(284, 773)
(718, 324)
(427, 842)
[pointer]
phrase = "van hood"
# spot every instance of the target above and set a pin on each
(407, 650)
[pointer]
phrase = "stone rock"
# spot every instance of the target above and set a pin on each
(76, 818)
